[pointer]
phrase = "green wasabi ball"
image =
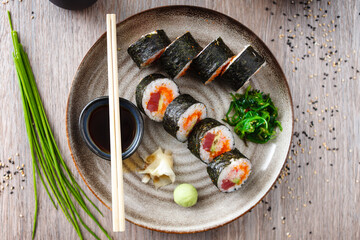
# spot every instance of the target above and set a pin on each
(185, 195)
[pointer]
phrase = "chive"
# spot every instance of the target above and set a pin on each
(47, 162)
(253, 116)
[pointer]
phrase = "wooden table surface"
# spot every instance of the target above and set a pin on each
(317, 44)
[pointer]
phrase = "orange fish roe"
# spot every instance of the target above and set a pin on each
(191, 120)
(166, 95)
(183, 71)
(228, 64)
(153, 58)
(246, 170)
(225, 148)
(219, 71)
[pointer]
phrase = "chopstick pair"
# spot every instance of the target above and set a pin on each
(118, 209)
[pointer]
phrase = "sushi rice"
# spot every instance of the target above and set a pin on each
(188, 120)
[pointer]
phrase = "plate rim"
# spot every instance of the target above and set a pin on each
(174, 7)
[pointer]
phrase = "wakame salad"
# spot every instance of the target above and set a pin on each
(253, 115)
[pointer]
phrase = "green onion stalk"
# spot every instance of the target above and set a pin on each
(47, 162)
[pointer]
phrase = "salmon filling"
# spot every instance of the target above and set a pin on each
(191, 120)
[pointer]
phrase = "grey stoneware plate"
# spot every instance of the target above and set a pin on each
(155, 209)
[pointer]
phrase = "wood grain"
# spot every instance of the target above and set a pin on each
(318, 200)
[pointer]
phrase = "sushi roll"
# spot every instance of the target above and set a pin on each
(153, 95)
(212, 60)
(181, 116)
(229, 170)
(209, 139)
(148, 48)
(177, 57)
(242, 67)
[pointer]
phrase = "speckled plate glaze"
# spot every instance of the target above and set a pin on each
(155, 209)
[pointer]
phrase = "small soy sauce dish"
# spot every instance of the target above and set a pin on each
(95, 127)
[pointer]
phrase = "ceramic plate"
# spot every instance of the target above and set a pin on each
(155, 209)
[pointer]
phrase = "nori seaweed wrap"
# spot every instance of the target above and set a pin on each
(178, 55)
(242, 67)
(230, 170)
(212, 60)
(148, 48)
(181, 116)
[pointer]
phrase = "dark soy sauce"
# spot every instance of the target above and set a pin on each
(99, 128)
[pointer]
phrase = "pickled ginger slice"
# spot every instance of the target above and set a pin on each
(159, 168)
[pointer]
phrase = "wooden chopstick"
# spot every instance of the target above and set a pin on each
(118, 209)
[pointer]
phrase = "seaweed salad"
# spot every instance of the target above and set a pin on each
(253, 115)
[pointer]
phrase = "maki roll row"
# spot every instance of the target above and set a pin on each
(185, 118)
(215, 61)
